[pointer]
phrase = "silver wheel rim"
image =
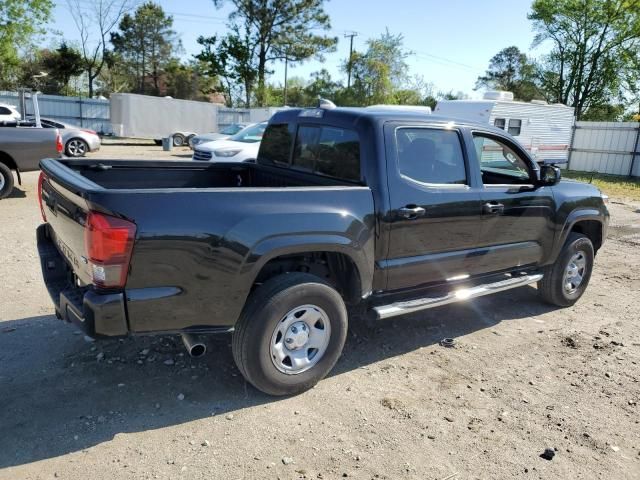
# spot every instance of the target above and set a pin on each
(178, 141)
(574, 273)
(77, 148)
(2, 181)
(300, 339)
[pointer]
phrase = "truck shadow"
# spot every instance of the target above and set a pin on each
(61, 394)
(17, 193)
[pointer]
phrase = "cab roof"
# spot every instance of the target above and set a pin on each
(355, 116)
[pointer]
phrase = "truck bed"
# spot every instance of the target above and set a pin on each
(144, 174)
(202, 234)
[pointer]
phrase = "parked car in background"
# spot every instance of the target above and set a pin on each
(77, 141)
(9, 113)
(223, 134)
(241, 147)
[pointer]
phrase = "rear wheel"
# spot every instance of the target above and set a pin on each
(6, 180)
(76, 147)
(566, 280)
(290, 334)
(178, 140)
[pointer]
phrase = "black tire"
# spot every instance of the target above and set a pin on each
(6, 181)
(552, 286)
(266, 307)
(76, 147)
(178, 140)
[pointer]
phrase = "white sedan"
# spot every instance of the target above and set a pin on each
(241, 147)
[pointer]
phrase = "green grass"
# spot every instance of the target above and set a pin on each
(613, 185)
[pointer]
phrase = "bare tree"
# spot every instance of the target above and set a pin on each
(94, 27)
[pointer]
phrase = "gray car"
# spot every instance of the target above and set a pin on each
(223, 134)
(77, 141)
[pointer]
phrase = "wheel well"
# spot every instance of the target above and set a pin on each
(8, 161)
(592, 229)
(335, 268)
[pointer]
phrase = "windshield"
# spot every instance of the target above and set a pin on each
(232, 129)
(251, 134)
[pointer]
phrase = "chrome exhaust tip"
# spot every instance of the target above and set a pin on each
(194, 347)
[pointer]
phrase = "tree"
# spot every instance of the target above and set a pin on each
(273, 29)
(232, 61)
(593, 42)
(94, 25)
(188, 81)
(379, 72)
(20, 20)
(511, 70)
(146, 42)
(63, 64)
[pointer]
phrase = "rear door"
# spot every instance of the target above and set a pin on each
(518, 214)
(435, 215)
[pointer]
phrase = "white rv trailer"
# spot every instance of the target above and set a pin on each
(543, 129)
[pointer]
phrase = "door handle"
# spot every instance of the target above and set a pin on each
(411, 212)
(493, 208)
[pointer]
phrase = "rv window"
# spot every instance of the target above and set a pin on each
(514, 127)
(499, 123)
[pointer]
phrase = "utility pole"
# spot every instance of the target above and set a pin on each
(286, 67)
(350, 35)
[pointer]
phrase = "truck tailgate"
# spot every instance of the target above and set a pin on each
(66, 214)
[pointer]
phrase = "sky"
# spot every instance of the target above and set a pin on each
(452, 41)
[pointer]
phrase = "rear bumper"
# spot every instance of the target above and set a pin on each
(96, 314)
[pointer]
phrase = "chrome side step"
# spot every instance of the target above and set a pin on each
(402, 308)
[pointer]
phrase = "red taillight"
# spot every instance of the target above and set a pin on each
(59, 146)
(108, 243)
(41, 180)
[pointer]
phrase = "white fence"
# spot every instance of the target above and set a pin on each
(84, 112)
(606, 147)
(95, 113)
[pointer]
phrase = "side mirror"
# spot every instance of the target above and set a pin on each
(549, 175)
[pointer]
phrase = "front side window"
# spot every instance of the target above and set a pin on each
(431, 156)
(329, 151)
(515, 126)
(499, 163)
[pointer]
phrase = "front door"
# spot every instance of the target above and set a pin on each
(435, 211)
(517, 213)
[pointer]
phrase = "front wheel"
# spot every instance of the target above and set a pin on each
(566, 280)
(6, 181)
(178, 140)
(290, 334)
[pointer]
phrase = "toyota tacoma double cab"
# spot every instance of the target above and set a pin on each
(373, 211)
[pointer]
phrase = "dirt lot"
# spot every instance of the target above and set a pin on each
(523, 377)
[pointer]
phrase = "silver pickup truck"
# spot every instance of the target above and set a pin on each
(22, 146)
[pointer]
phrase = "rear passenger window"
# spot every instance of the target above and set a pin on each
(276, 144)
(5, 111)
(329, 151)
(431, 156)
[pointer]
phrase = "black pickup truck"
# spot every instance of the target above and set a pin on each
(378, 212)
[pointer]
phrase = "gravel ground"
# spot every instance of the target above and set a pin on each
(523, 377)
